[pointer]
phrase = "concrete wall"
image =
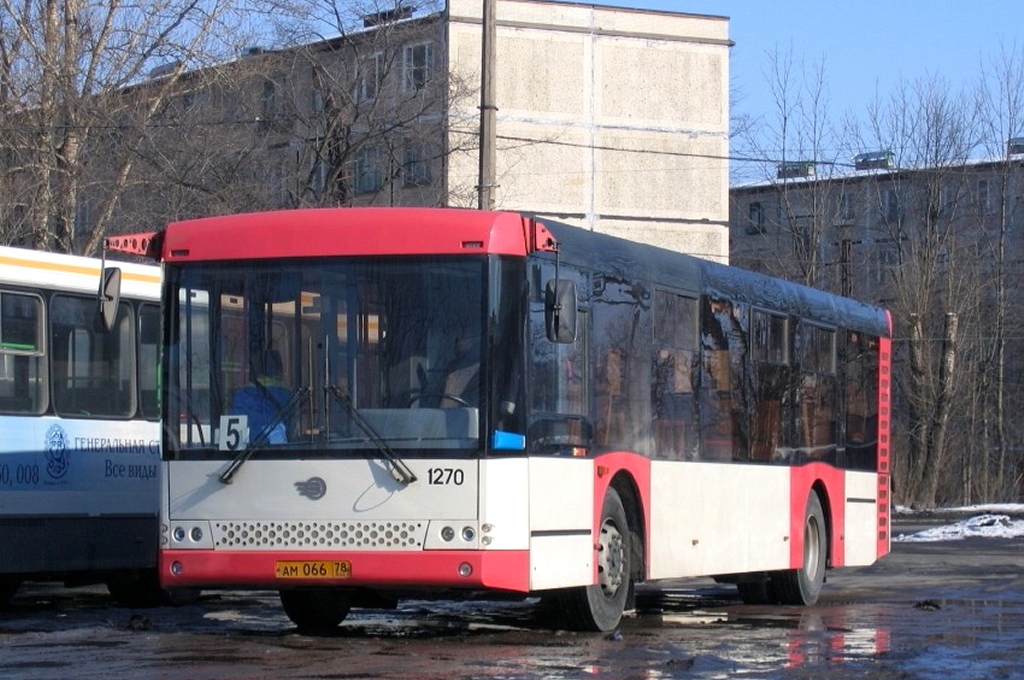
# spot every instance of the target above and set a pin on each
(613, 119)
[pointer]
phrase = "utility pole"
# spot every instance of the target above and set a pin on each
(485, 183)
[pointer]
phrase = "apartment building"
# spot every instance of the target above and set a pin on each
(850, 232)
(610, 118)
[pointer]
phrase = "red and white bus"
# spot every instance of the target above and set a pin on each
(484, 401)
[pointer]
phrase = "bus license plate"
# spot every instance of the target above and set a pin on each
(313, 569)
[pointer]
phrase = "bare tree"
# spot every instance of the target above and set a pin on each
(354, 112)
(66, 67)
(1000, 102)
(921, 242)
(798, 147)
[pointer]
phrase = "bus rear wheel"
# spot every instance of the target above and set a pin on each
(599, 607)
(802, 586)
(316, 610)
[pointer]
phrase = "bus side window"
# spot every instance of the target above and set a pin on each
(816, 401)
(861, 402)
(94, 371)
(673, 407)
(22, 360)
(719, 340)
(769, 341)
(149, 361)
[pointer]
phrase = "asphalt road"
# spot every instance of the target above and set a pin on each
(946, 610)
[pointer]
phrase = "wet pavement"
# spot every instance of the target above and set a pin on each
(929, 610)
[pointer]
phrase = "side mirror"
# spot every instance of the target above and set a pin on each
(109, 296)
(560, 311)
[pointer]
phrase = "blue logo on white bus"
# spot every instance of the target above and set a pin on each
(57, 459)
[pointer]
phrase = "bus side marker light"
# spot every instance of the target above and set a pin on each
(602, 470)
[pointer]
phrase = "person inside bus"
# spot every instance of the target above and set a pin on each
(462, 374)
(263, 399)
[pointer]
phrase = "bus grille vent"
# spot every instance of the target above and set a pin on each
(323, 535)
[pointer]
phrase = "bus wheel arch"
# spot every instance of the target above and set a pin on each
(625, 486)
(599, 607)
(802, 586)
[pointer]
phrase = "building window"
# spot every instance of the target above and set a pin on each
(369, 76)
(416, 163)
(984, 197)
(755, 218)
(891, 205)
(417, 63)
(888, 260)
(369, 176)
(272, 116)
(845, 206)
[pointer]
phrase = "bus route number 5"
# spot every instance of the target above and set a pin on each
(234, 432)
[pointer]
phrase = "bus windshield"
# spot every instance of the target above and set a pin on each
(331, 355)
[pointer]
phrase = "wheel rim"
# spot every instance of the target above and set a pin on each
(611, 558)
(812, 547)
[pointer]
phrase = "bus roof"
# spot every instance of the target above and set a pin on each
(695, 275)
(58, 271)
(325, 232)
(320, 232)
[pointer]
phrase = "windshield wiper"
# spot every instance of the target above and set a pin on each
(261, 439)
(399, 470)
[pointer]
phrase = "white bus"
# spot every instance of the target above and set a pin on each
(79, 412)
(380, 401)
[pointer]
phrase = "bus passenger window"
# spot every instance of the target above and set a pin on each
(22, 364)
(93, 371)
(770, 349)
(673, 407)
(816, 417)
(861, 401)
(149, 361)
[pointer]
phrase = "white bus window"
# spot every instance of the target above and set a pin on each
(22, 362)
(149, 361)
(94, 372)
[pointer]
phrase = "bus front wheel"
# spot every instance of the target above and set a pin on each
(600, 606)
(316, 610)
(803, 585)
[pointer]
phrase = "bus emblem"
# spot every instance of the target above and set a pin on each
(57, 460)
(313, 488)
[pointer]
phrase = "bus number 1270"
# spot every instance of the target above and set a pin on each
(446, 476)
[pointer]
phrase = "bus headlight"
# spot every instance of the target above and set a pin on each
(194, 534)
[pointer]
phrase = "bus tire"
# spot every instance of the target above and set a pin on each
(316, 610)
(802, 586)
(758, 591)
(599, 607)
